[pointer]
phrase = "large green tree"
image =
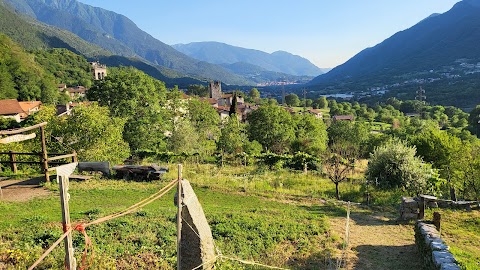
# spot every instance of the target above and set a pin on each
(95, 135)
(292, 100)
(273, 127)
(310, 135)
(141, 100)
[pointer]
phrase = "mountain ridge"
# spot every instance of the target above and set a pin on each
(434, 39)
(222, 53)
(120, 35)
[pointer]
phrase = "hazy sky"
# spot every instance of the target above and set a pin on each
(327, 32)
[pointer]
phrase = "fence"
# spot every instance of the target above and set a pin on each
(63, 173)
(16, 135)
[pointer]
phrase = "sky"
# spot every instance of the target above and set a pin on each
(327, 32)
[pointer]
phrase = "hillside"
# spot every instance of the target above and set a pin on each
(119, 35)
(440, 47)
(261, 75)
(221, 53)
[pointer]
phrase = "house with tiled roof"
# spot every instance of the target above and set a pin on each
(10, 108)
(317, 113)
(29, 107)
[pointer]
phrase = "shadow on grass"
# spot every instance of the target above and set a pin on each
(388, 257)
(319, 260)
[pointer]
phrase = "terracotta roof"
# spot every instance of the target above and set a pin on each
(10, 106)
(315, 111)
(28, 105)
(343, 117)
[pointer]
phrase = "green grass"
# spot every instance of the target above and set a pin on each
(246, 223)
(461, 231)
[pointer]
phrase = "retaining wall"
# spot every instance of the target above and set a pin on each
(436, 255)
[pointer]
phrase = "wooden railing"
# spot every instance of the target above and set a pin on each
(53, 160)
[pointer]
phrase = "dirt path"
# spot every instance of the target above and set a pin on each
(377, 242)
(21, 190)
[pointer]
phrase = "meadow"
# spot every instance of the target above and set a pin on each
(279, 218)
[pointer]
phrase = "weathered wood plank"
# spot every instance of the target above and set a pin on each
(61, 157)
(21, 130)
(17, 138)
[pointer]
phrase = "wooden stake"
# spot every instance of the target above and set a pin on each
(44, 155)
(179, 216)
(64, 198)
(13, 165)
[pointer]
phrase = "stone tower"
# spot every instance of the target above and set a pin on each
(98, 71)
(215, 89)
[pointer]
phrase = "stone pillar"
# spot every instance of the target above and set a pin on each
(196, 246)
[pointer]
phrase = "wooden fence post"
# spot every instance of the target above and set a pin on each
(44, 155)
(13, 165)
(64, 198)
(179, 216)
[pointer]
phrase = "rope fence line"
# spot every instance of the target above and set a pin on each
(221, 256)
(67, 228)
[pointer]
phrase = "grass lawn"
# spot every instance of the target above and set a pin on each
(265, 229)
(280, 218)
(461, 231)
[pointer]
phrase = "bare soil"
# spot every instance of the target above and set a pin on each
(377, 242)
(22, 190)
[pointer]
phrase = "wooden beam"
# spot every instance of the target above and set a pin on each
(20, 130)
(17, 138)
(61, 157)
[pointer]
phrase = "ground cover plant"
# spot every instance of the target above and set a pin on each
(244, 225)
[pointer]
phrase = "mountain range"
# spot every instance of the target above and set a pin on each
(224, 54)
(441, 50)
(120, 36)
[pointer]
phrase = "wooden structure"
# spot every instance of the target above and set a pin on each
(17, 136)
(152, 172)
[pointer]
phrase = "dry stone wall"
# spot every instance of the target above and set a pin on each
(434, 251)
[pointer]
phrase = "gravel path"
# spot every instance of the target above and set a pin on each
(378, 242)
(22, 190)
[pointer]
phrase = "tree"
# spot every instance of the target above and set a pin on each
(141, 101)
(184, 138)
(126, 90)
(197, 90)
(254, 94)
(232, 136)
(356, 134)
(311, 135)
(272, 127)
(95, 135)
(395, 165)
(206, 121)
(321, 103)
(338, 162)
(292, 100)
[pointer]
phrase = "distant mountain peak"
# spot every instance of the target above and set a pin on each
(225, 54)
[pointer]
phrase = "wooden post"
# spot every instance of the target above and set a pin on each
(179, 216)
(64, 198)
(13, 165)
(74, 158)
(437, 219)
(421, 214)
(44, 155)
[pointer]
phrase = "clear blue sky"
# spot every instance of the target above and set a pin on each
(327, 32)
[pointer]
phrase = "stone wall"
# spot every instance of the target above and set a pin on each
(436, 255)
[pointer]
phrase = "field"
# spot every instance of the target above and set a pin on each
(285, 219)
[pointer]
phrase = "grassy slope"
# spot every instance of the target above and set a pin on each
(277, 218)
